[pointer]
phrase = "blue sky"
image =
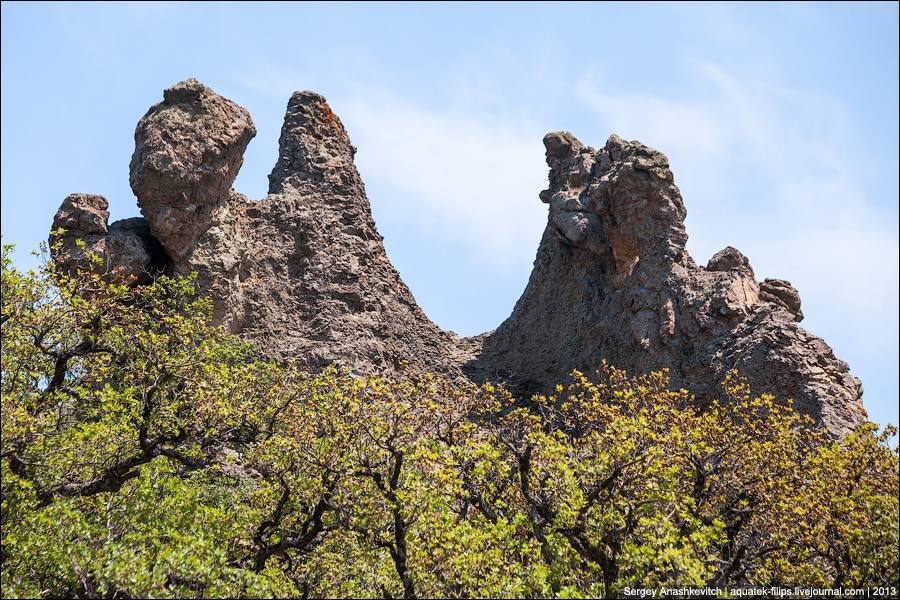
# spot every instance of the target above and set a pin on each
(780, 122)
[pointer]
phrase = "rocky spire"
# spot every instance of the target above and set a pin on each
(612, 280)
(619, 202)
(302, 272)
(187, 152)
(314, 148)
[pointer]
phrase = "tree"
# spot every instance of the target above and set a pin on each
(148, 453)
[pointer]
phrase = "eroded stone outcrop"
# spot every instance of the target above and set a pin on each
(313, 279)
(612, 279)
(188, 150)
(304, 274)
(129, 254)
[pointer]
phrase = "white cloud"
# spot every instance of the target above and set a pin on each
(466, 180)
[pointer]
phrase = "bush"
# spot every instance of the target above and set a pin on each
(147, 453)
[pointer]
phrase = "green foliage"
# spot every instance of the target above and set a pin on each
(146, 452)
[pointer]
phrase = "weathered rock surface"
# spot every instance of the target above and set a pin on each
(304, 274)
(612, 279)
(128, 251)
(188, 150)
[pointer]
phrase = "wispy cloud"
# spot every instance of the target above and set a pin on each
(777, 173)
(471, 182)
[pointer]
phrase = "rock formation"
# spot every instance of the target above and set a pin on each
(303, 272)
(128, 252)
(612, 279)
(187, 151)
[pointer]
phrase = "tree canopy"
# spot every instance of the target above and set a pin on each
(148, 453)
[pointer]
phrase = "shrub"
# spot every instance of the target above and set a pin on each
(146, 452)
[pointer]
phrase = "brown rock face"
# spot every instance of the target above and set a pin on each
(612, 279)
(129, 253)
(188, 150)
(304, 274)
(312, 279)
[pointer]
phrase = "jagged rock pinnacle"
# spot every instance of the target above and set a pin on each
(304, 274)
(313, 148)
(612, 280)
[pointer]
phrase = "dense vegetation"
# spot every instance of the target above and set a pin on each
(148, 453)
